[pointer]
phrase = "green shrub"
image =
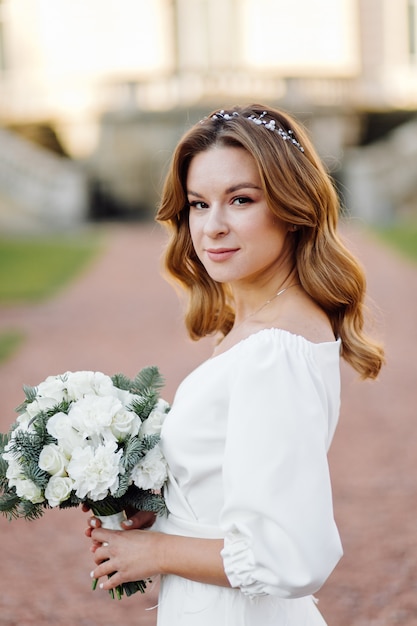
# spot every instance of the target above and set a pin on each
(401, 236)
(9, 342)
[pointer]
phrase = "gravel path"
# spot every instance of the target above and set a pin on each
(120, 316)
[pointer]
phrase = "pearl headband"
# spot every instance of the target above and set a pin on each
(286, 135)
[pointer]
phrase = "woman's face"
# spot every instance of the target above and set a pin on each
(234, 233)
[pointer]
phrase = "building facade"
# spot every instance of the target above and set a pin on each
(101, 74)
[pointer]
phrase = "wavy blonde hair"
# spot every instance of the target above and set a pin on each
(299, 191)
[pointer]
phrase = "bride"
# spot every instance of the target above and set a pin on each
(250, 535)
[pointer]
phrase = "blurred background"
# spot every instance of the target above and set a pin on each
(94, 95)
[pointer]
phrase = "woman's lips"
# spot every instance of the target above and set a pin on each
(220, 254)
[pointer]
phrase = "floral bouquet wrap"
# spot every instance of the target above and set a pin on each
(85, 437)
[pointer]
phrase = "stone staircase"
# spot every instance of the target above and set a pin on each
(381, 179)
(39, 190)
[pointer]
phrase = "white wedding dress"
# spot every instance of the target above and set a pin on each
(246, 442)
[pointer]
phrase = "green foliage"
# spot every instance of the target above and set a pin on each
(9, 504)
(30, 511)
(30, 393)
(149, 441)
(144, 404)
(14, 507)
(28, 447)
(146, 385)
(148, 378)
(32, 269)
(35, 474)
(72, 502)
(4, 440)
(108, 506)
(146, 501)
(122, 382)
(134, 449)
(30, 396)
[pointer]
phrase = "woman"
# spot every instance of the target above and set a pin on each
(251, 534)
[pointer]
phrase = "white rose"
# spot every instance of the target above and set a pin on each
(125, 396)
(52, 460)
(151, 471)
(53, 387)
(23, 422)
(125, 423)
(60, 427)
(93, 415)
(14, 469)
(38, 405)
(80, 384)
(27, 489)
(95, 472)
(153, 424)
(58, 489)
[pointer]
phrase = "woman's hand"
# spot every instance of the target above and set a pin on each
(135, 520)
(141, 554)
(125, 556)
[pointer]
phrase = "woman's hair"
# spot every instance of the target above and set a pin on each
(299, 191)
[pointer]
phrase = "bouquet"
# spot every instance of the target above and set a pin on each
(85, 437)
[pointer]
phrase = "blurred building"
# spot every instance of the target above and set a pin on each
(112, 85)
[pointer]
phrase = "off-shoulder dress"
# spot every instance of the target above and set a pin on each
(246, 442)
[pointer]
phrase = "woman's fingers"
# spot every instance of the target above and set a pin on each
(93, 522)
(139, 520)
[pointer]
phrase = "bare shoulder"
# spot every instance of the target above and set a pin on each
(301, 315)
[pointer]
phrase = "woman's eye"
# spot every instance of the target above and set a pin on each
(241, 200)
(198, 204)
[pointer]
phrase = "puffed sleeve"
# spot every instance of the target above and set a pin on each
(280, 533)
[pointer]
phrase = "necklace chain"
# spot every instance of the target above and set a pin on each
(279, 293)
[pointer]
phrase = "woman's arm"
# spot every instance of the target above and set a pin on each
(141, 554)
(279, 530)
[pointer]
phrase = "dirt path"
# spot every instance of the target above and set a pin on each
(120, 316)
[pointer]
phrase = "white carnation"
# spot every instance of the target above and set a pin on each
(27, 490)
(153, 424)
(52, 460)
(151, 471)
(93, 415)
(60, 426)
(80, 384)
(95, 472)
(58, 489)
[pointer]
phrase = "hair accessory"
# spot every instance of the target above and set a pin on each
(286, 135)
(271, 125)
(221, 115)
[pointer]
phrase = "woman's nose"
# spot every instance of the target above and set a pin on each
(216, 222)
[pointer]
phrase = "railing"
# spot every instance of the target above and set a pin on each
(189, 88)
